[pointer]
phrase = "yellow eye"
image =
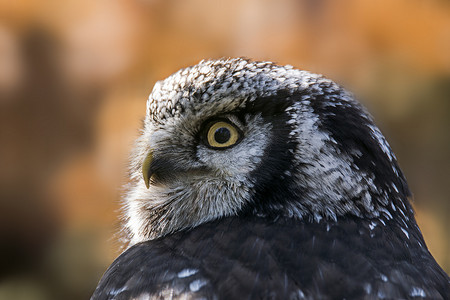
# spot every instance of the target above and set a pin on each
(222, 135)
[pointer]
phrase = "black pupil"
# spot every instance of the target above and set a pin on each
(222, 135)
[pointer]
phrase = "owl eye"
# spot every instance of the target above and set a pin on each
(221, 134)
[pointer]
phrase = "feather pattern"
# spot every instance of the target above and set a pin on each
(260, 258)
(307, 202)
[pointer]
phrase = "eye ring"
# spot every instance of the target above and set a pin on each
(221, 134)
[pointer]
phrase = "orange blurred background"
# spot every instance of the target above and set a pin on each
(75, 75)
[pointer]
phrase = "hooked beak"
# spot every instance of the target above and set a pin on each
(146, 168)
(162, 169)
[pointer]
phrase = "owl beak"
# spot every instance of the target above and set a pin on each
(146, 168)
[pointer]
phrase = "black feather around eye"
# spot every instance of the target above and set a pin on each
(271, 185)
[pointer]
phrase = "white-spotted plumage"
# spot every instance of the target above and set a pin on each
(187, 272)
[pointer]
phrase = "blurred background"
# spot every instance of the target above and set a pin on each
(75, 75)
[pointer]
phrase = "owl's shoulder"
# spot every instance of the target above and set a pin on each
(277, 259)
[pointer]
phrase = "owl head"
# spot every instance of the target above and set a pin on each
(236, 138)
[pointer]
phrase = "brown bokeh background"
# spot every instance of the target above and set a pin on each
(75, 75)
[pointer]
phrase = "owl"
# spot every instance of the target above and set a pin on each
(252, 180)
